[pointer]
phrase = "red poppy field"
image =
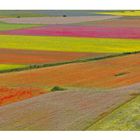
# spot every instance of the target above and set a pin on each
(108, 73)
(15, 56)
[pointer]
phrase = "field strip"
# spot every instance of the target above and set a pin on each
(19, 14)
(95, 22)
(10, 67)
(56, 20)
(119, 22)
(122, 13)
(69, 44)
(104, 115)
(18, 56)
(8, 26)
(78, 31)
(47, 112)
(82, 60)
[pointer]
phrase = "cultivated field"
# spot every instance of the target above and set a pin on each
(20, 13)
(126, 22)
(17, 56)
(79, 31)
(105, 73)
(80, 108)
(56, 20)
(69, 70)
(9, 26)
(69, 44)
(123, 13)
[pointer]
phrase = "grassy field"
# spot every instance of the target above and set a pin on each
(10, 66)
(69, 44)
(9, 26)
(123, 13)
(125, 117)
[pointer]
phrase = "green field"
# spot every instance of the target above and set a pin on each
(123, 13)
(10, 26)
(72, 44)
(126, 117)
(4, 67)
(16, 13)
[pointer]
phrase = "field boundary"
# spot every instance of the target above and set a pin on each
(37, 66)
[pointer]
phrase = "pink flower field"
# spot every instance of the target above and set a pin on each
(78, 31)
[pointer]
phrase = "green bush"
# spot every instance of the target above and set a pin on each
(57, 88)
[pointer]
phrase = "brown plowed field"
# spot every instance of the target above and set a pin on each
(106, 73)
(32, 57)
(63, 110)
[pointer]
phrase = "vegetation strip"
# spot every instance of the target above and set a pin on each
(9, 26)
(36, 66)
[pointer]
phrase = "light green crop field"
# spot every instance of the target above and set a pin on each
(123, 13)
(10, 26)
(10, 66)
(71, 44)
(126, 117)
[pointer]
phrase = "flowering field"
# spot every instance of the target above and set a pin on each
(69, 44)
(18, 56)
(69, 70)
(79, 31)
(105, 73)
(123, 13)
